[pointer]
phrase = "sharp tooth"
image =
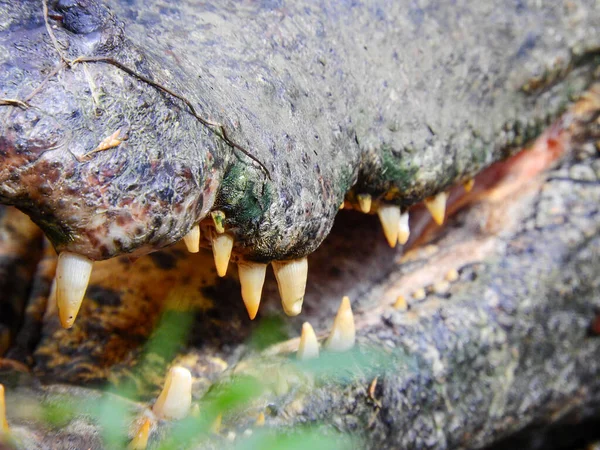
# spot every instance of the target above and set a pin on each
(175, 400)
(252, 278)
(403, 229)
(260, 420)
(342, 205)
(364, 201)
(140, 441)
(309, 346)
(419, 294)
(452, 275)
(389, 215)
(72, 276)
(291, 279)
(218, 218)
(216, 425)
(222, 245)
(468, 185)
(437, 207)
(3, 422)
(343, 333)
(401, 304)
(192, 239)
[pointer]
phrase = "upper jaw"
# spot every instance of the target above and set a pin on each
(279, 185)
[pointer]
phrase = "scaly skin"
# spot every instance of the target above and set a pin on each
(509, 349)
(328, 98)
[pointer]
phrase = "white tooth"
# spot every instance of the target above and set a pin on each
(468, 185)
(175, 400)
(437, 207)
(364, 201)
(309, 346)
(140, 441)
(343, 332)
(3, 423)
(72, 277)
(403, 229)
(389, 215)
(218, 218)
(291, 280)
(192, 239)
(222, 245)
(252, 278)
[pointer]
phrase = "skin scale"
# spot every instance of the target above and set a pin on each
(551, 100)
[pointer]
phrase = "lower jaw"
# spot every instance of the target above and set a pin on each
(472, 359)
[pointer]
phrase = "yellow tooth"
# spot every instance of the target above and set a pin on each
(252, 278)
(140, 441)
(364, 201)
(218, 218)
(192, 239)
(401, 304)
(419, 294)
(389, 215)
(343, 333)
(452, 275)
(342, 205)
(291, 280)
(403, 229)
(175, 400)
(468, 185)
(216, 425)
(437, 207)
(72, 276)
(309, 346)
(222, 245)
(3, 422)
(260, 420)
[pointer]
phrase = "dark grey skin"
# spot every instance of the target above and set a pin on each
(393, 100)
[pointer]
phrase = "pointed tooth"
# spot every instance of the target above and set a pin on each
(192, 239)
(342, 205)
(260, 420)
(216, 425)
(72, 277)
(401, 304)
(343, 332)
(218, 218)
(291, 279)
(252, 278)
(364, 201)
(389, 215)
(140, 441)
(222, 245)
(3, 423)
(175, 400)
(403, 229)
(468, 185)
(309, 346)
(437, 207)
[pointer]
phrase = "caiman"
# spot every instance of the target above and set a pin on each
(157, 157)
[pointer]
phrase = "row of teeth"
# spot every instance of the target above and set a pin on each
(175, 399)
(73, 271)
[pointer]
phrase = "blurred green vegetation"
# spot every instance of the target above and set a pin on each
(227, 399)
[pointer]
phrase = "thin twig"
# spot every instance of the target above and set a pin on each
(53, 36)
(220, 129)
(14, 102)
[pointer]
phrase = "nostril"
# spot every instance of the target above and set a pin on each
(80, 16)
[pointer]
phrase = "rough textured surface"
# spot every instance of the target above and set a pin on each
(512, 343)
(402, 100)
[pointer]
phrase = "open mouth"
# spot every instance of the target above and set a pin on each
(443, 282)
